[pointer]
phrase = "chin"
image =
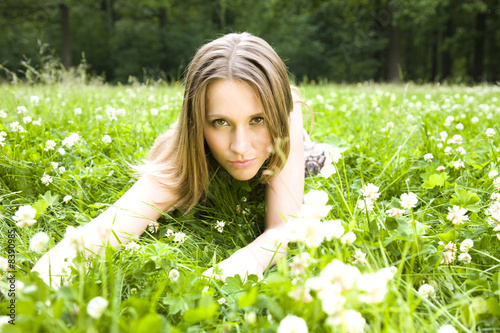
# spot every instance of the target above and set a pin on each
(243, 175)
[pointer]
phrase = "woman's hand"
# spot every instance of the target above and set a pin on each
(242, 262)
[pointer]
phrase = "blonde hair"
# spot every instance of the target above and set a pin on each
(179, 159)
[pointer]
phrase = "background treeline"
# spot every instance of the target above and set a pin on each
(334, 40)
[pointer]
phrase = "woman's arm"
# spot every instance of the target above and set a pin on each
(129, 216)
(284, 194)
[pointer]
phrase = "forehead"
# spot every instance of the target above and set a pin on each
(232, 96)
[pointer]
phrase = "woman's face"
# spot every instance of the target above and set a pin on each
(235, 128)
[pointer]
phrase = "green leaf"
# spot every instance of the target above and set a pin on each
(493, 306)
(40, 206)
(450, 236)
(248, 299)
(233, 285)
(49, 198)
(151, 323)
(465, 200)
(436, 179)
(179, 303)
(205, 311)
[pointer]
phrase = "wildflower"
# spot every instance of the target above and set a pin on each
(21, 109)
(34, 99)
(4, 264)
(426, 291)
(408, 200)
(25, 216)
(61, 151)
(348, 238)
(333, 155)
(3, 114)
(121, 112)
(395, 212)
(106, 139)
(352, 321)
(370, 191)
(389, 125)
(37, 122)
(490, 132)
(170, 233)
(359, 257)
(49, 145)
(96, 307)
(447, 329)
(27, 119)
(292, 324)
(220, 226)
(459, 126)
(315, 204)
(428, 157)
(443, 135)
(496, 183)
(474, 120)
(374, 286)
(466, 245)
(67, 198)
(334, 302)
(70, 140)
(15, 127)
(77, 111)
(313, 234)
(465, 258)
(440, 168)
(332, 229)
(173, 275)
(179, 237)
(251, 317)
(495, 196)
(457, 215)
(111, 112)
(99, 117)
(301, 295)
(492, 174)
(153, 226)
(327, 171)
(132, 246)
(39, 242)
(461, 150)
(449, 120)
(457, 139)
(221, 301)
(388, 272)
(459, 165)
(299, 264)
(365, 204)
(46, 180)
(447, 151)
(154, 112)
(449, 254)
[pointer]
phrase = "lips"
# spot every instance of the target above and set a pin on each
(241, 164)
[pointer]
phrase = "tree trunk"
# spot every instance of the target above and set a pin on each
(434, 61)
(394, 54)
(477, 71)
(66, 36)
(162, 16)
(446, 60)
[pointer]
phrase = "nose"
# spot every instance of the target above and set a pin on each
(240, 142)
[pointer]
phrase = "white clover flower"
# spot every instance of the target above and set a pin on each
(495, 196)
(313, 232)
(67, 198)
(4, 264)
(461, 150)
(15, 127)
(490, 132)
(395, 212)
(70, 140)
(359, 257)
(389, 125)
(46, 180)
(457, 215)
(3, 114)
(332, 229)
(466, 245)
(315, 205)
(370, 191)
(440, 168)
(459, 126)
(426, 291)
(408, 200)
(449, 254)
(111, 112)
(492, 174)
(99, 117)
(443, 135)
(173, 275)
(474, 120)
(428, 157)
(465, 258)
(37, 122)
(179, 237)
(132, 247)
(219, 225)
(352, 321)
(348, 238)
(388, 272)
(25, 216)
(459, 165)
(334, 303)
(170, 233)
(457, 139)
(154, 112)
(121, 112)
(333, 155)
(292, 324)
(106, 139)
(447, 329)
(49, 145)
(21, 109)
(27, 119)
(447, 151)
(221, 301)
(61, 151)
(39, 242)
(153, 226)
(365, 204)
(77, 111)
(496, 183)
(327, 171)
(439, 145)
(374, 286)
(96, 307)
(299, 264)
(34, 99)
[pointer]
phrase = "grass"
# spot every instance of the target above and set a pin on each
(384, 132)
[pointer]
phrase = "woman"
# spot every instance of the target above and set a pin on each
(239, 114)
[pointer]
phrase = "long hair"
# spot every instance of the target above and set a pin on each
(180, 158)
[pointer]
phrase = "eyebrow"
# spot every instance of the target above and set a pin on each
(216, 115)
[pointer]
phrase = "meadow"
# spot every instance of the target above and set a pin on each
(401, 233)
